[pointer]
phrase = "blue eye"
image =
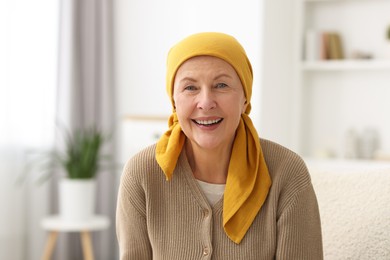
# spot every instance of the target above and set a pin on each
(221, 85)
(190, 87)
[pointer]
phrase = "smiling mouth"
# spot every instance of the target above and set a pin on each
(208, 122)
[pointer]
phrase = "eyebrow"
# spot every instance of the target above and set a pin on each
(215, 78)
(187, 79)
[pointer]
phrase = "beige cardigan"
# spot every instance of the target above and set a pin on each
(172, 220)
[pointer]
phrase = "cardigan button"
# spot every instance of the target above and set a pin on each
(206, 213)
(206, 251)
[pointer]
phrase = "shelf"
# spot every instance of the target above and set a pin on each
(345, 65)
(334, 95)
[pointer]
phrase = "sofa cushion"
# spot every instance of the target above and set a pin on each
(354, 202)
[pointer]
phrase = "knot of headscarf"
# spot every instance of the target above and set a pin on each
(169, 146)
(248, 179)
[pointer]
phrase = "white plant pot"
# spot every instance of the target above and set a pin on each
(77, 199)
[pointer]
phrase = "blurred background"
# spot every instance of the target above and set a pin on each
(321, 88)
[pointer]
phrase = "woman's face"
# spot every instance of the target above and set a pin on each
(209, 101)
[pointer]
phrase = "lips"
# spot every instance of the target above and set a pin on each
(208, 122)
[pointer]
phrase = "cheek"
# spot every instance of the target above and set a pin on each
(176, 101)
(174, 95)
(181, 105)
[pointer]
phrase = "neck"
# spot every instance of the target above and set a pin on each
(209, 165)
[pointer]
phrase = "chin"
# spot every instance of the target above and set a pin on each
(212, 144)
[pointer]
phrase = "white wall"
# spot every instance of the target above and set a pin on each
(28, 51)
(147, 29)
(277, 79)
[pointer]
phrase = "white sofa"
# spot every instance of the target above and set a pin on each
(354, 202)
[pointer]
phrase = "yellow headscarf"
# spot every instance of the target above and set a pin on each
(248, 179)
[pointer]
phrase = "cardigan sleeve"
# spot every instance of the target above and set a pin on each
(131, 226)
(299, 228)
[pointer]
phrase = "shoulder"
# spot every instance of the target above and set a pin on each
(279, 157)
(144, 156)
(141, 166)
(287, 169)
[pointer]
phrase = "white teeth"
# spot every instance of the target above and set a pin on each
(207, 122)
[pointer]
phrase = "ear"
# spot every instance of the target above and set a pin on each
(244, 106)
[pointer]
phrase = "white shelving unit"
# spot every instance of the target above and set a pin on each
(335, 96)
(345, 65)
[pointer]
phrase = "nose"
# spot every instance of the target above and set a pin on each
(206, 100)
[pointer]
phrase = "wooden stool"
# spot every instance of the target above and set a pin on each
(55, 224)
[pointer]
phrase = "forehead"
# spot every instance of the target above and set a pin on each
(206, 64)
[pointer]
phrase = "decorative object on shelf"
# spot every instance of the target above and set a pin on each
(362, 146)
(313, 47)
(361, 55)
(369, 143)
(352, 144)
(382, 155)
(333, 49)
(323, 45)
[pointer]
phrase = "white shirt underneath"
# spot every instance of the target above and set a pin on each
(212, 191)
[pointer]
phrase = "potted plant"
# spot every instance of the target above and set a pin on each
(80, 160)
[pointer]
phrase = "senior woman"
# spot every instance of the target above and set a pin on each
(211, 188)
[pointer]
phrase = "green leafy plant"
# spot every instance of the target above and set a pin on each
(81, 157)
(388, 33)
(82, 154)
